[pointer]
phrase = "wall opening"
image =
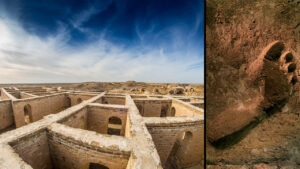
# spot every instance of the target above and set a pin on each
(97, 166)
(114, 126)
(173, 111)
(179, 91)
(187, 136)
(79, 100)
(27, 114)
(164, 111)
(115, 120)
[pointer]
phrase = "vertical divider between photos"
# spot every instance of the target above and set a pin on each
(204, 83)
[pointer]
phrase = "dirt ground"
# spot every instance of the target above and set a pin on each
(129, 87)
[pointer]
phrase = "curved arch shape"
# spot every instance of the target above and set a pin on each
(27, 114)
(187, 137)
(114, 120)
(179, 91)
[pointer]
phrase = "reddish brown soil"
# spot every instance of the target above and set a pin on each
(250, 86)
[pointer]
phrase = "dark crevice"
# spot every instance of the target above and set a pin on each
(236, 137)
(276, 108)
(294, 80)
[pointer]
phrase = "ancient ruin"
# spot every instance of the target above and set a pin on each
(54, 127)
(252, 91)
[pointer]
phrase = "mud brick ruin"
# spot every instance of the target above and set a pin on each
(52, 128)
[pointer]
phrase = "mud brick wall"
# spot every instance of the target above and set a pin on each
(128, 126)
(4, 95)
(165, 136)
(183, 110)
(6, 114)
(152, 108)
(185, 99)
(120, 100)
(34, 150)
(15, 93)
(73, 98)
(24, 95)
(76, 120)
(197, 100)
(137, 96)
(130, 161)
(97, 119)
(194, 151)
(113, 100)
(40, 107)
(67, 153)
(200, 105)
(166, 105)
(115, 94)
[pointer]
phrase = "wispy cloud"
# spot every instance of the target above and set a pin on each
(29, 58)
(101, 41)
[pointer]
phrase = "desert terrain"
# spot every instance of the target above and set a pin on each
(252, 60)
(132, 87)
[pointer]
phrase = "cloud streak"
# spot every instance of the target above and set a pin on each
(29, 58)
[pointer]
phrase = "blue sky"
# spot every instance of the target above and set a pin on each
(109, 40)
